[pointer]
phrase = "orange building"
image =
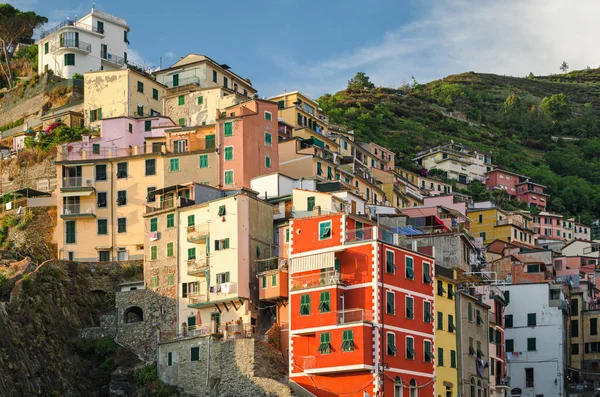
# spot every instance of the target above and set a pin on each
(361, 310)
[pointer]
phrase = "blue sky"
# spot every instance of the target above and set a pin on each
(316, 46)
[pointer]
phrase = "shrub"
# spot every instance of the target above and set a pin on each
(147, 375)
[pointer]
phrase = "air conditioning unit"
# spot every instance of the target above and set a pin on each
(89, 182)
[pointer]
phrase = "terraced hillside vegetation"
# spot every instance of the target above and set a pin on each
(547, 127)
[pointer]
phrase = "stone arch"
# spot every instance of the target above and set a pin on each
(133, 314)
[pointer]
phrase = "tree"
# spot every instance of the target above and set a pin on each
(564, 67)
(360, 81)
(15, 25)
(556, 107)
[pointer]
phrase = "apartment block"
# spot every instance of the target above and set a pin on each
(491, 223)
(98, 41)
(517, 186)
(361, 310)
(446, 379)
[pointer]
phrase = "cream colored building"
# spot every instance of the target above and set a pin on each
(302, 112)
(120, 93)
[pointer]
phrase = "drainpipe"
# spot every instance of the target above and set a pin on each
(112, 208)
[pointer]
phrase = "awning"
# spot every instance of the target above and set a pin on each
(28, 192)
(76, 194)
(103, 247)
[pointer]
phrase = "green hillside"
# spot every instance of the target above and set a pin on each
(515, 118)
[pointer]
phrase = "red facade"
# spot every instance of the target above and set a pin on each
(342, 278)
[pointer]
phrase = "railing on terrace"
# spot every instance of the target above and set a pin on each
(183, 82)
(71, 23)
(168, 204)
(76, 209)
(77, 181)
(197, 233)
(197, 297)
(330, 277)
(353, 316)
(265, 265)
(198, 265)
(72, 43)
(357, 235)
(113, 58)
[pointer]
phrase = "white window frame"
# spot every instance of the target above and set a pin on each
(406, 348)
(269, 113)
(330, 227)
(395, 344)
(386, 302)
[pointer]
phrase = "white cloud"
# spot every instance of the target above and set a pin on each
(512, 37)
(170, 54)
(135, 57)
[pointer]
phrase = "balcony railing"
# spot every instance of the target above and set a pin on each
(183, 82)
(71, 23)
(354, 316)
(198, 266)
(355, 235)
(265, 265)
(197, 297)
(77, 209)
(71, 43)
(169, 204)
(112, 58)
(197, 233)
(330, 277)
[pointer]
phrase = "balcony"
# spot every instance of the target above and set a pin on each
(197, 297)
(77, 184)
(272, 278)
(330, 277)
(72, 44)
(112, 58)
(72, 211)
(168, 204)
(198, 267)
(354, 316)
(194, 80)
(197, 234)
(216, 296)
(69, 23)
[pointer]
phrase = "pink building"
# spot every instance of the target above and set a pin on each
(385, 157)
(119, 136)
(449, 201)
(247, 142)
(548, 226)
(532, 193)
(518, 186)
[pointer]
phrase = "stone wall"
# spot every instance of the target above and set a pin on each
(133, 335)
(106, 329)
(242, 367)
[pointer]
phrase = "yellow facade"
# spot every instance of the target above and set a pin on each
(120, 93)
(198, 106)
(446, 375)
(494, 223)
(94, 223)
(300, 111)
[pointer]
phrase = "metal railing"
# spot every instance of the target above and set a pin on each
(71, 23)
(364, 234)
(197, 233)
(112, 58)
(77, 209)
(197, 297)
(183, 82)
(168, 204)
(77, 181)
(353, 316)
(330, 277)
(265, 265)
(72, 43)
(199, 265)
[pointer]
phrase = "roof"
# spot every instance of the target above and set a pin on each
(28, 192)
(407, 230)
(530, 183)
(296, 93)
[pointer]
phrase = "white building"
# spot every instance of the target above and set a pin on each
(98, 41)
(535, 339)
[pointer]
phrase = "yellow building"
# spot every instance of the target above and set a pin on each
(302, 112)
(120, 93)
(494, 223)
(446, 373)
(101, 199)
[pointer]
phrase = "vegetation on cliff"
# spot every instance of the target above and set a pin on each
(547, 127)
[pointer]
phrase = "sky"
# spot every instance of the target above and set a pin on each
(316, 46)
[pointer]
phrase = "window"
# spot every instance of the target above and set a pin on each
(171, 279)
(268, 162)
(480, 218)
(46, 45)
(182, 121)
(273, 280)
(427, 317)
(204, 161)
(410, 348)
(410, 272)
(575, 348)
(452, 359)
(533, 268)
(122, 170)
(104, 255)
(222, 278)
(268, 116)
(169, 359)
(101, 172)
(390, 302)
(479, 319)
(471, 348)
(593, 326)
(574, 307)
(440, 288)
(507, 296)
(440, 321)
(147, 125)
(154, 224)
(482, 235)
(528, 377)
(155, 94)
(200, 100)
(426, 273)
(170, 220)
(324, 230)
(287, 235)
(305, 305)
(410, 312)
(450, 291)
(174, 165)
(324, 302)
(195, 354)
(451, 326)
(101, 199)
(222, 210)
(69, 59)
(102, 226)
(510, 346)
(222, 244)
(531, 320)
(348, 341)
(479, 352)
(470, 311)
(325, 345)
(181, 100)
(229, 177)
(140, 87)
(391, 344)
(214, 76)
(264, 282)
(440, 357)
(575, 328)
(191, 220)
(508, 321)
(96, 114)
(121, 225)
(310, 203)
(228, 153)
(531, 344)
(228, 129)
(130, 128)
(268, 139)
(390, 267)
(121, 197)
(154, 253)
(191, 253)
(225, 82)
(169, 250)
(150, 167)
(96, 148)
(140, 110)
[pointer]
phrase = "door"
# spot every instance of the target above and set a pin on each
(180, 146)
(175, 80)
(191, 321)
(359, 230)
(77, 39)
(215, 320)
(122, 256)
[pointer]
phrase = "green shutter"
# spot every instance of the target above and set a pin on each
(191, 253)
(171, 279)
(310, 203)
(229, 177)
(410, 308)
(70, 230)
(155, 94)
(99, 113)
(191, 220)
(200, 100)
(268, 162)
(390, 303)
(174, 165)
(228, 129)
(305, 305)
(264, 282)
(229, 153)
(147, 125)
(324, 304)
(181, 100)
(154, 224)
(170, 220)
(175, 80)
(169, 249)
(154, 252)
(325, 346)
(440, 321)
(268, 138)
(182, 121)
(195, 354)
(209, 142)
(452, 359)
(348, 340)
(204, 161)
